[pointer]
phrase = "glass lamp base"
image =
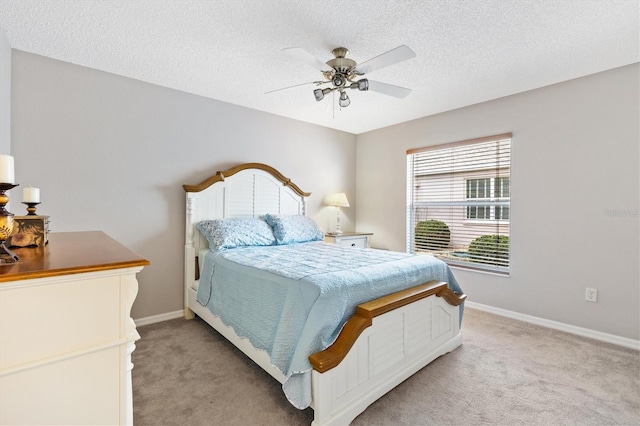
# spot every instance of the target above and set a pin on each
(6, 225)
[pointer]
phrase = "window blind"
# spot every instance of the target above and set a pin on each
(458, 202)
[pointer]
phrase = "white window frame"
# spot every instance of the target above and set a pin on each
(437, 182)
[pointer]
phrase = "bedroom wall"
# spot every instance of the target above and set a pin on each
(5, 94)
(575, 182)
(111, 153)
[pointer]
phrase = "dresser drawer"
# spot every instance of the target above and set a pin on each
(81, 390)
(44, 318)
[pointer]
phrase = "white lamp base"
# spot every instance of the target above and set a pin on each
(338, 231)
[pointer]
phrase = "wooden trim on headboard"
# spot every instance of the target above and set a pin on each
(363, 318)
(219, 177)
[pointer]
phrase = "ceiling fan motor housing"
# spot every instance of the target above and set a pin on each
(343, 65)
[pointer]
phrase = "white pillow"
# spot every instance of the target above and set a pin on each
(294, 228)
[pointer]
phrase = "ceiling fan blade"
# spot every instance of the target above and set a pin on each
(317, 83)
(393, 56)
(306, 57)
(389, 89)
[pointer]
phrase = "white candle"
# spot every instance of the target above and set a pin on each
(31, 195)
(6, 169)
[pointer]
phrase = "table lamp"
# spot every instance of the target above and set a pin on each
(337, 200)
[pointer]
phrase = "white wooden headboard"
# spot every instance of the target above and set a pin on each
(248, 190)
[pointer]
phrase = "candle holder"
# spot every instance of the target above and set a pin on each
(6, 225)
(31, 208)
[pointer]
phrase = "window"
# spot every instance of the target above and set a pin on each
(458, 202)
(502, 192)
(487, 189)
(478, 189)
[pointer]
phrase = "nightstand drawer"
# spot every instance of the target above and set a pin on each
(353, 242)
(350, 239)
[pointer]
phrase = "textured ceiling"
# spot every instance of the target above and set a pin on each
(230, 50)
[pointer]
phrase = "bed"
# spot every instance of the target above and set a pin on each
(357, 322)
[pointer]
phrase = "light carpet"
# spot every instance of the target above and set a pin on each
(506, 372)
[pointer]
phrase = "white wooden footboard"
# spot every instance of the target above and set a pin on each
(399, 342)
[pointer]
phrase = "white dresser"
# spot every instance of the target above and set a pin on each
(350, 239)
(66, 335)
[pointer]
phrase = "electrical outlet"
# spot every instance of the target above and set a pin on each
(591, 295)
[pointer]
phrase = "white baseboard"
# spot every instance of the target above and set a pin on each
(158, 318)
(584, 332)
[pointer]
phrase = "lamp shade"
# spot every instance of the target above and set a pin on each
(337, 200)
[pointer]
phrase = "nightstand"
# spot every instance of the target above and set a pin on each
(350, 239)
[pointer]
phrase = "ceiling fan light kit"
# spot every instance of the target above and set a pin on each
(341, 72)
(319, 93)
(362, 85)
(344, 100)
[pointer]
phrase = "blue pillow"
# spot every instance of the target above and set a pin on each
(294, 228)
(237, 232)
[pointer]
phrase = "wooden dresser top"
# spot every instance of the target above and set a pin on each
(70, 253)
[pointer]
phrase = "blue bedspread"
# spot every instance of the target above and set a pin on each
(292, 300)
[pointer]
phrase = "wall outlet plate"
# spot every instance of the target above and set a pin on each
(591, 295)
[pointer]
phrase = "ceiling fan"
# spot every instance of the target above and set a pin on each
(342, 73)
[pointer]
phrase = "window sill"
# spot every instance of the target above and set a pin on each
(460, 265)
(482, 271)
